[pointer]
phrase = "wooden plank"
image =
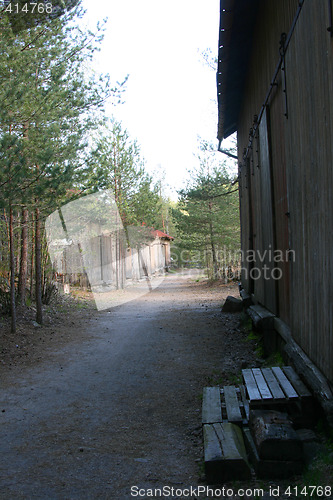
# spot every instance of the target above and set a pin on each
(251, 386)
(267, 210)
(284, 382)
(224, 453)
(232, 404)
(211, 405)
(261, 383)
(234, 452)
(273, 384)
(245, 402)
(230, 441)
(297, 383)
(212, 446)
(313, 376)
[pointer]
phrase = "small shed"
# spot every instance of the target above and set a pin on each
(114, 258)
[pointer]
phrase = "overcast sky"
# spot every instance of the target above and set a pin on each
(171, 93)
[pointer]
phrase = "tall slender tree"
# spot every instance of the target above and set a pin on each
(116, 164)
(49, 108)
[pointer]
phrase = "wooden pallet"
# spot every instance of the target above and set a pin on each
(226, 404)
(274, 386)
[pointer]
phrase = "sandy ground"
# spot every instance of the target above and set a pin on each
(97, 402)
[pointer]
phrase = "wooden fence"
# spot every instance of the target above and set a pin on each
(106, 260)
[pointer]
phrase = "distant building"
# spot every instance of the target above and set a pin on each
(108, 260)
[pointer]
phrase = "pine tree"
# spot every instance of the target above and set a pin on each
(116, 164)
(206, 217)
(49, 108)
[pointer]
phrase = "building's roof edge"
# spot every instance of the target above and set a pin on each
(237, 20)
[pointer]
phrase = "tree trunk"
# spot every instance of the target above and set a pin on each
(32, 264)
(211, 230)
(215, 266)
(17, 245)
(38, 266)
(44, 260)
(24, 257)
(12, 271)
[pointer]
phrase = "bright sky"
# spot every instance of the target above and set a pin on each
(171, 92)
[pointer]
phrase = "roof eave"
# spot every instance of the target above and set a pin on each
(237, 20)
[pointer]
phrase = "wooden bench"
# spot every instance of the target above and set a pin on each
(276, 388)
(267, 386)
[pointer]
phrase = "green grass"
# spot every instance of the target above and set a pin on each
(259, 351)
(320, 472)
(253, 336)
(246, 322)
(236, 379)
(218, 378)
(81, 305)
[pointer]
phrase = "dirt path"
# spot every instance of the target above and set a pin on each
(120, 404)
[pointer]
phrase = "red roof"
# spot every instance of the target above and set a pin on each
(160, 234)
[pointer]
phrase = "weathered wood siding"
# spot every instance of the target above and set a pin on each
(300, 165)
(267, 209)
(109, 261)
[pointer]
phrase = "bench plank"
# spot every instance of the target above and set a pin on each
(245, 402)
(261, 383)
(224, 452)
(235, 464)
(284, 382)
(273, 384)
(232, 405)
(212, 447)
(251, 386)
(211, 405)
(300, 387)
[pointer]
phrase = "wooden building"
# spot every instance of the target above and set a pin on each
(275, 89)
(113, 260)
